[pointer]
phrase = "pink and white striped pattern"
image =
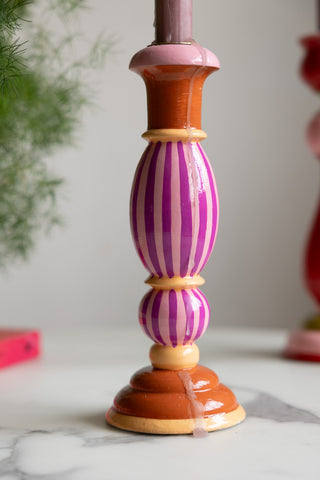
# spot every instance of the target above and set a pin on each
(174, 317)
(174, 209)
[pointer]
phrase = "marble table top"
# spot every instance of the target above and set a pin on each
(52, 410)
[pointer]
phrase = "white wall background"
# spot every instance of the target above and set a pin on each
(254, 111)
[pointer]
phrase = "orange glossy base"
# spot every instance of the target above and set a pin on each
(159, 401)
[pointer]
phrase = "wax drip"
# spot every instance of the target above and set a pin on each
(195, 218)
(195, 206)
(197, 71)
(170, 20)
(197, 409)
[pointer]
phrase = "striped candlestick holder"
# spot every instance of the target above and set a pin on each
(174, 213)
(174, 230)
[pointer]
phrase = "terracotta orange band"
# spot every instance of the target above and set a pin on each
(168, 95)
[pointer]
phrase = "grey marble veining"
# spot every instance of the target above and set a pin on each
(268, 407)
(52, 423)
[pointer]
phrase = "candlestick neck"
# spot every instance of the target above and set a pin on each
(174, 95)
(174, 77)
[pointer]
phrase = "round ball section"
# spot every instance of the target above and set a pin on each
(174, 317)
(313, 135)
(174, 209)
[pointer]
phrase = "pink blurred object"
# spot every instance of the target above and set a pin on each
(18, 346)
(313, 135)
(304, 345)
(312, 259)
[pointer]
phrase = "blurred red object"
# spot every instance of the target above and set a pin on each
(312, 259)
(304, 344)
(18, 346)
(310, 68)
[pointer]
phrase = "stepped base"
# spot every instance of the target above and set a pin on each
(175, 402)
(174, 427)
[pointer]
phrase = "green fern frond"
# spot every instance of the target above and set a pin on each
(41, 97)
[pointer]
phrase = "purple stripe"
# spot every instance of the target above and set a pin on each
(202, 314)
(202, 216)
(189, 316)
(214, 196)
(205, 301)
(143, 314)
(136, 185)
(173, 310)
(149, 211)
(166, 211)
(186, 213)
(155, 317)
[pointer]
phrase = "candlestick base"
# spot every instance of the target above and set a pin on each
(174, 427)
(165, 402)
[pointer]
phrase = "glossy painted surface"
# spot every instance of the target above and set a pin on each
(174, 76)
(174, 214)
(174, 209)
(198, 427)
(162, 394)
(174, 317)
(166, 357)
(177, 55)
(168, 93)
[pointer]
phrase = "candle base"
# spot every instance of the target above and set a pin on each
(159, 401)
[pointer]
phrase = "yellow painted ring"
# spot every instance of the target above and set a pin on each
(174, 427)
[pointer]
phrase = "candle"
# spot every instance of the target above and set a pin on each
(173, 21)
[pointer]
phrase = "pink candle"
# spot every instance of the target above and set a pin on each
(173, 21)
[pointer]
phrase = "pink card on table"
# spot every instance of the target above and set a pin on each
(18, 346)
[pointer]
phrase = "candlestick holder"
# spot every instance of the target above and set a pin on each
(304, 343)
(174, 213)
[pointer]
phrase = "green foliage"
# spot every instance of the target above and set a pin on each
(11, 51)
(313, 323)
(40, 101)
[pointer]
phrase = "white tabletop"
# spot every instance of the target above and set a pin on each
(52, 412)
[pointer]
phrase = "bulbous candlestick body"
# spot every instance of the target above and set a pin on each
(174, 220)
(174, 212)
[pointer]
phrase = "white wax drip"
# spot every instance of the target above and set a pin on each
(195, 218)
(197, 408)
